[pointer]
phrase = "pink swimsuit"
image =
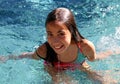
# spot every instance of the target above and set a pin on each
(69, 65)
(66, 65)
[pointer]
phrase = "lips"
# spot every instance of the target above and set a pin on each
(58, 47)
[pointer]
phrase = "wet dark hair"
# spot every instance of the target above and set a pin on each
(65, 16)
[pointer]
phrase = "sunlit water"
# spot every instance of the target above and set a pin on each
(22, 30)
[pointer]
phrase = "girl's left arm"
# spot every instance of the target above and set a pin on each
(89, 51)
(102, 55)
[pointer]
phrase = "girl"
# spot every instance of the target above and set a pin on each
(65, 47)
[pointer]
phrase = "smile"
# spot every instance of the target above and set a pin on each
(58, 47)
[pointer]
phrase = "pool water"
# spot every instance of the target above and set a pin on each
(22, 30)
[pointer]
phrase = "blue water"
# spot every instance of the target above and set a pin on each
(22, 30)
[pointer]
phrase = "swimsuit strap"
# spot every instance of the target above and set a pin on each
(39, 55)
(79, 46)
(61, 65)
(78, 62)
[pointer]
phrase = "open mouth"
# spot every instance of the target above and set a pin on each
(58, 47)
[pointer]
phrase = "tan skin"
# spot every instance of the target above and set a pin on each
(60, 39)
(87, 47)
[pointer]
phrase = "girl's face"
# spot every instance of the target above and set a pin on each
(58, 36)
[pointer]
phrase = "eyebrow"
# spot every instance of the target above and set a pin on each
(48, 31)
(60, 31)
(57, 32)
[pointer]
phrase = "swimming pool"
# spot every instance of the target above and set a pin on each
(22, 29)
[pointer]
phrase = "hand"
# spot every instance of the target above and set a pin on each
(3, 58)
(104, 54)
(116, 51)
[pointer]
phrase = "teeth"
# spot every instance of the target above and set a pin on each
(57, 46)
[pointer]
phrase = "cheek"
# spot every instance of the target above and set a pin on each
(68, 40)
(49, 40)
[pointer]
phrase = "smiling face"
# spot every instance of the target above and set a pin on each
(58, 36)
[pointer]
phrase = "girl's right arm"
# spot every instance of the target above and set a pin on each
(30, 55)
(39, 53)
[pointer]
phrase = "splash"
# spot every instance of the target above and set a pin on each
(117, 33)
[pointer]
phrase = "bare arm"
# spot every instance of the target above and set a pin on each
(107, 53)
(41, 51)
(90, 52)
(103, 55)
(88, 49)
(30, 55)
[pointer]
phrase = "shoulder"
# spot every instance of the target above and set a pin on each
(88, 49)
(40, 52)
(87, 43)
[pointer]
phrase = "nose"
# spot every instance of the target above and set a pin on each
(56, 39)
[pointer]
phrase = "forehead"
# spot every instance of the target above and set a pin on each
(55, 25)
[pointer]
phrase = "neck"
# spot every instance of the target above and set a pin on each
(69, 54)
